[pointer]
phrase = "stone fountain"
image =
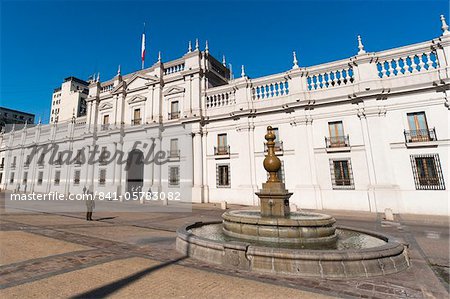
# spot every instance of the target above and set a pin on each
(277, 240)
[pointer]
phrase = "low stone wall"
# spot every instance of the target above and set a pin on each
(387, 259)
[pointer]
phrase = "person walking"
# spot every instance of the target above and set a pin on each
(90, 204)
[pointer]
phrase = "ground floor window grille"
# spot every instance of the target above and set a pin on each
(341, 174)
(174, 176)
(57, 177)
(223, 175)
(102, 177)
(427, 172)
(76, 177)
(40, 177)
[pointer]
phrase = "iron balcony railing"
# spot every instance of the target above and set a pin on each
(278, 146)
(420, 135)
(222, 150)
(174, 115)
(105, 127)
(174, 153)
(337, 141)
(136, 121)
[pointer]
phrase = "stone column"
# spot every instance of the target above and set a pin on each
(369, 159)
(205, 166)
(197, 189)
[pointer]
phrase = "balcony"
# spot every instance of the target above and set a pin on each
(40, 163)
(337, 141)
(222, 150)
(13, 165)
(105, 127)
(136, 121)
(2, 166)
(426, 135)
(278, 146)
(173, 154)
(27, 164)
(174, 115)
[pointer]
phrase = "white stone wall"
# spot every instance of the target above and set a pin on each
(370, 97)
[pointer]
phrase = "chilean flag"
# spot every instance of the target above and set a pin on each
(143, 49)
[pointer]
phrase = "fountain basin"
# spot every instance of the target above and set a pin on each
(357, 253)
(297, 227)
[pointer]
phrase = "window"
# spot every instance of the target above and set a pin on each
(222, 146)
(40, 177)
(59, 159)
(57, 177)
(1, 177)
(102, 176)
(27, 161)
(78, 158)
(174, 176)
(11, 178)
(76, 177)
(418, 128)
(3, 163)
(25, 177)
(427, 172)
(105, 124)
(136, 117)
(104, 155)
(223, 175)
(41, 160)
(337, 137)
(174, 152)
(341, 174)
(13, 164)
(174, 113)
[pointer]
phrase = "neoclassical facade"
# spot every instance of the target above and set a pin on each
(368, 133)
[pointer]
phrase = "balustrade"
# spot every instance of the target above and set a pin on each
(407, 64)
(107, 88)
(270, 90)
(174, 69)
(332, 78)
(221, 99)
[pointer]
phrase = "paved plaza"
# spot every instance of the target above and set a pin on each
(132, 255)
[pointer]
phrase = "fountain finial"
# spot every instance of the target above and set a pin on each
(272, 163)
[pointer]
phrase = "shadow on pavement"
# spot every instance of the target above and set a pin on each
(106, 290)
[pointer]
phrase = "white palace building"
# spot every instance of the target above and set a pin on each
(366, 133)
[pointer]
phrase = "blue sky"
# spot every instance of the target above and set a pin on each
(44, 42)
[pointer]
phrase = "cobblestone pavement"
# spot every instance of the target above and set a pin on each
(132, 255)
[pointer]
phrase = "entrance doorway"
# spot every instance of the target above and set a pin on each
(135, 173)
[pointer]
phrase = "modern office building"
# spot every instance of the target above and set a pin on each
(369, 132)
(69, 100)
(11, 116)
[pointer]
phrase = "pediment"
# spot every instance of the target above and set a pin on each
(139, 81)
(136, 99)
(105, 106)
(173, 90)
